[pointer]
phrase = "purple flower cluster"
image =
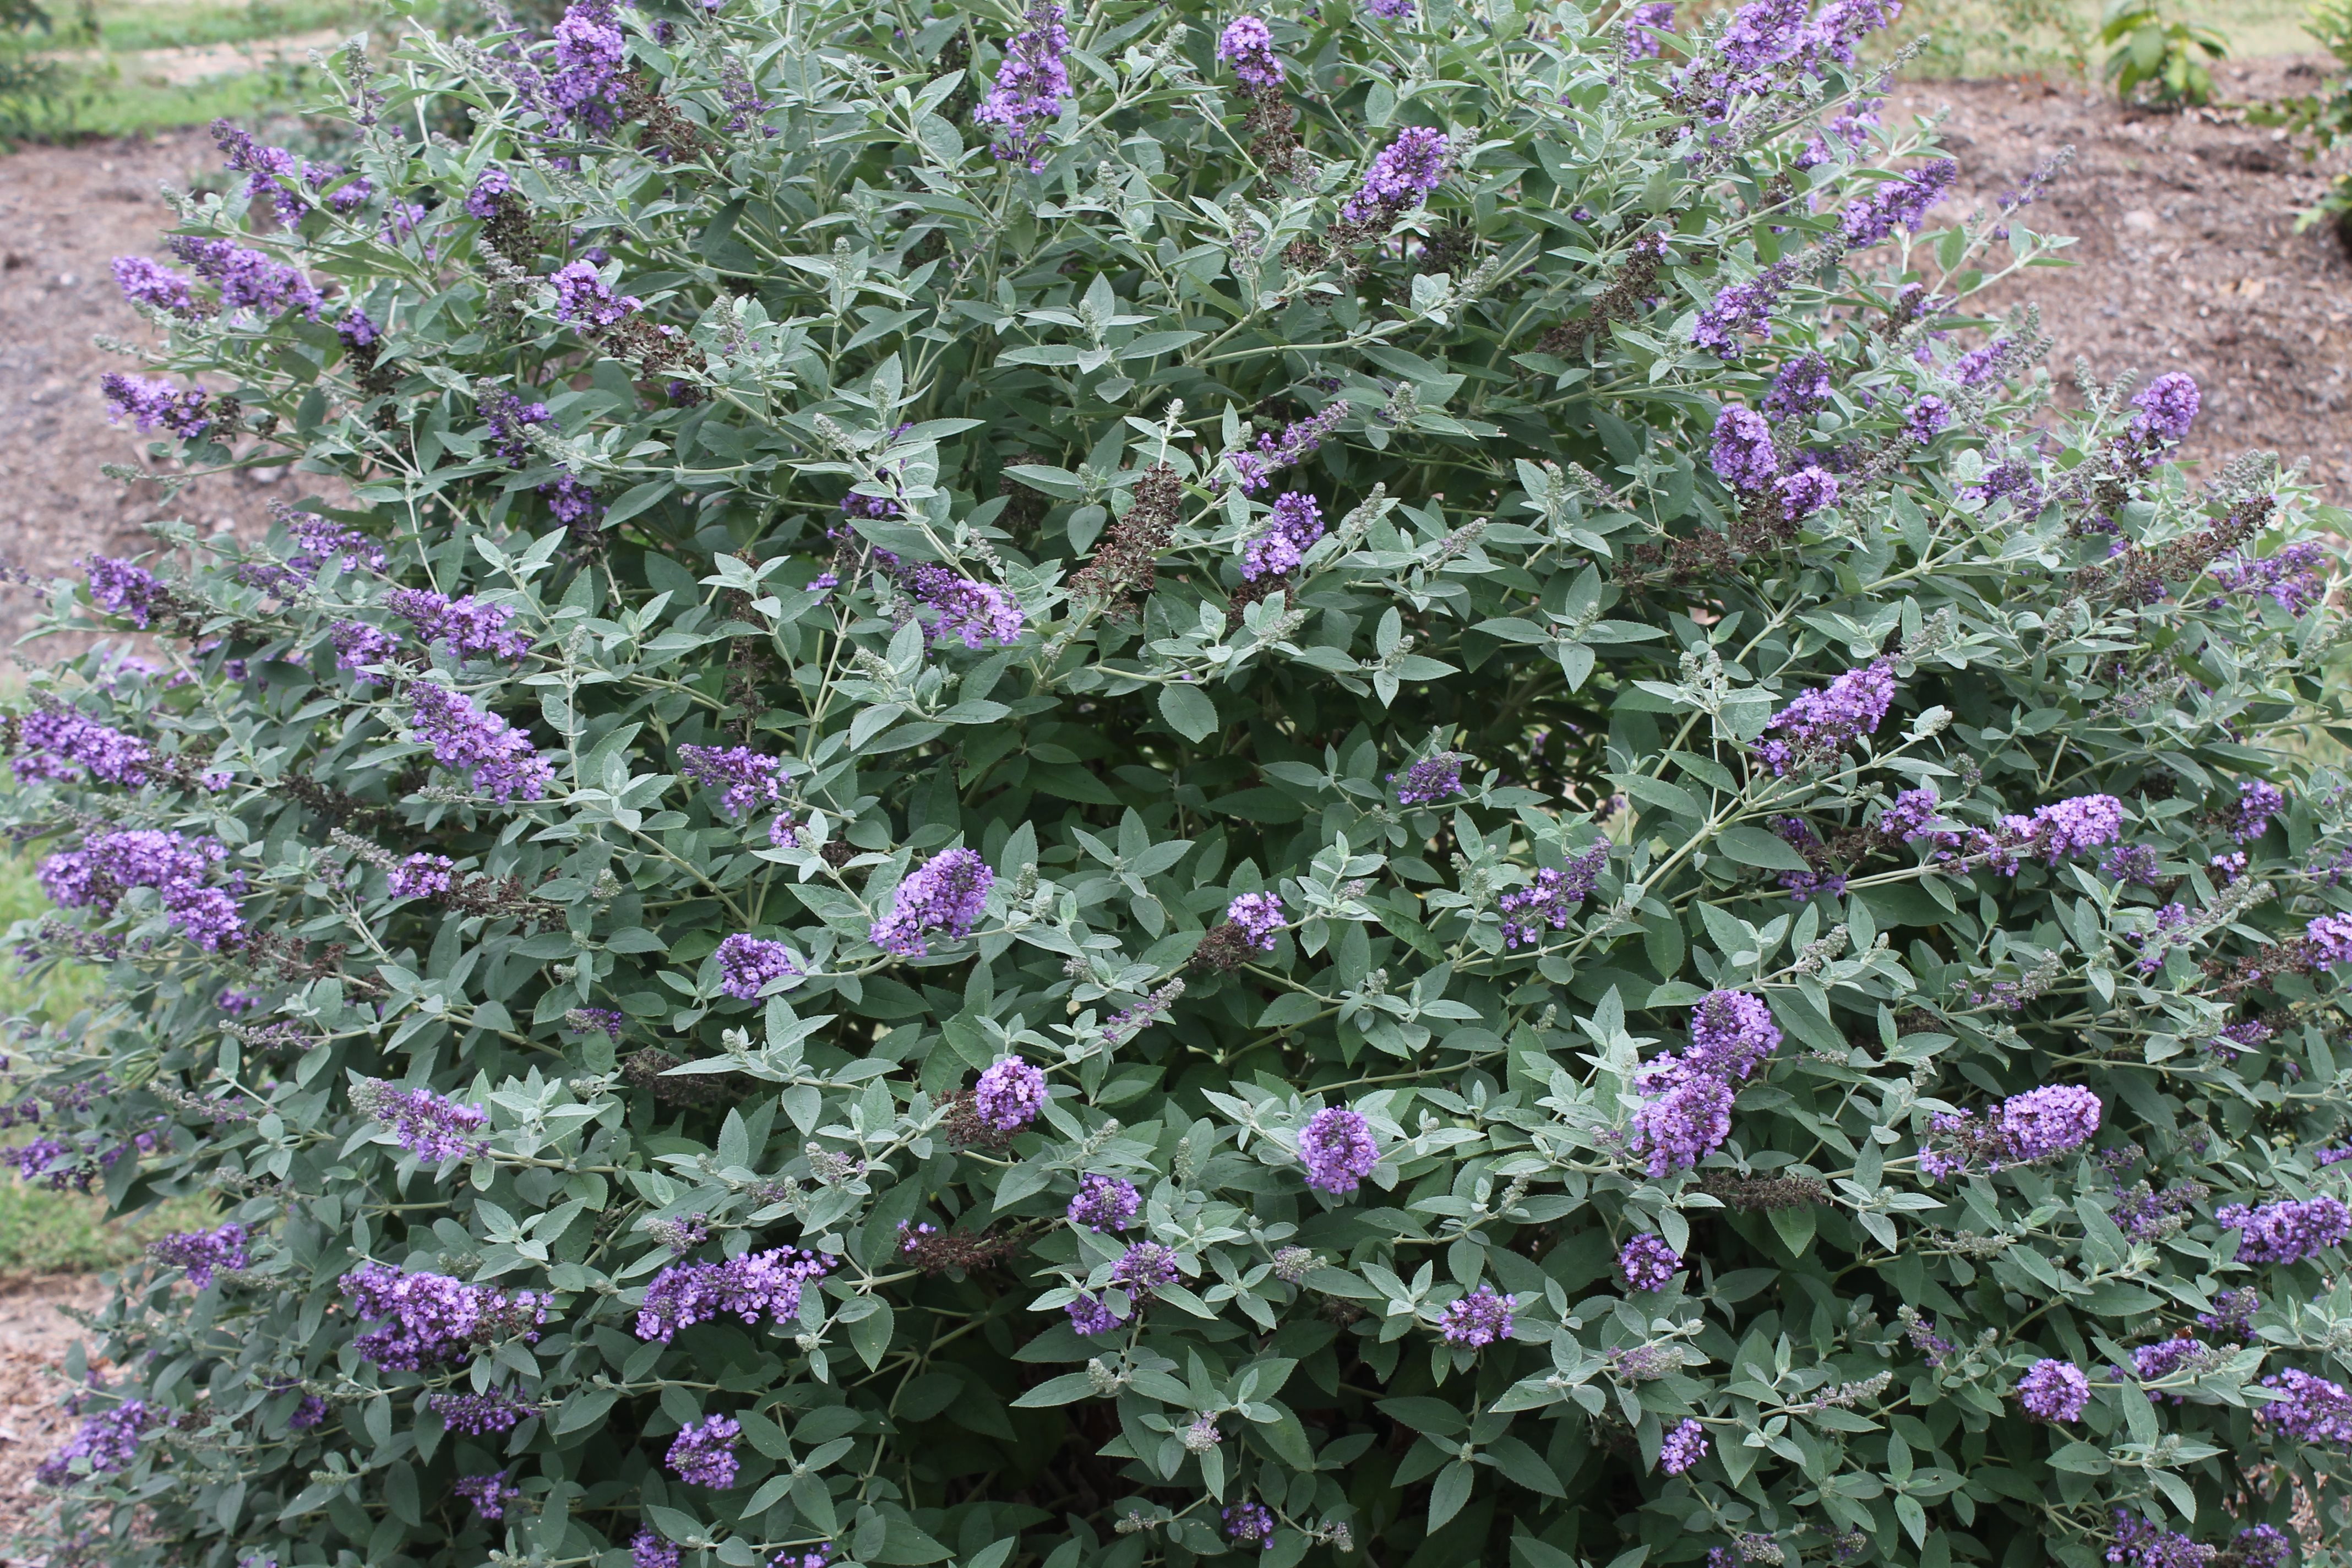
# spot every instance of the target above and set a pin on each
(1337, 1149)
(2250, 814)
(499, 758)
(1480, 1319)
(1104, 1202)
(153, 405)
(1551, 898)
(1800, 389)
(589, 56)
(748, 964)
(2155, 1362)
(431, 1320)
(1091, 1315)
(482, 200)
(500, 1411)
(423, 876)
(106, 1443)
(947, 894)
(204, 1253)
(1741, 309)
(490, 1494)
(1145, 1266)
(2054, 1391)
(685, 1294)
(1258, 917)
(150, 283)
(120, 588)
(647, 1549)
(1257, 468)
(2168, 407)
(2232, 1317)
(471, 628)
(2262, 1546)
(1685, 1447)
(2308, 1409)
(430, 1126)
(1009, 1095)
(359, 645)
(1294, 524)
(1809, 489)
(1031, 84)
(316, 542)
(1429, 780)
(266, 168)
(1903, 200)
(2287, 1231)
(510, 419)
(2292, 579)
(1247, 46)
(1647, 1263)
(2143, 1543)
(1686, 1112)
(248, 279)
(587, 300)
(975, 613)
(60, 743)
(1820, 724)
(1642, 24)
(749, 778)
(1742, 456)
(96, 875)
(2330, 937)
(704, 1453)
(1402, 174)
(2035, 1125)
(1251, 1523)
(1928, 418)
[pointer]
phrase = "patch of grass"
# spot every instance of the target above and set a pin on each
(130, 102)
(42, 1231)
(125, 28)
(2006, 38)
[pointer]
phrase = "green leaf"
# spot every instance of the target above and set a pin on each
(1754, 846)
(1189, 711)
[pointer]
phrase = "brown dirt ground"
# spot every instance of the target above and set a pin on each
(2187, 257)
(34, 1338)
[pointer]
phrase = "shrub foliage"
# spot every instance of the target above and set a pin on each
(1115, 787)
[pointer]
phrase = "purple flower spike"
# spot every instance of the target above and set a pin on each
(1402, 176)
(1031, 84)
(1293, 526)
(203, 1253)
(765, 1283)
(946, 895)
(1259, 916)
(1247, 46)
(748, 964)
(1685, 1447)
(1480, 1319)
(2054, 1391)
(2288, 1231)
(1010, 1094)
(704, 1452)
(1337, 1149)
(1104, 1202)
(747, 778)
(1742, 456)
(429, 1126)
(1647, 1263)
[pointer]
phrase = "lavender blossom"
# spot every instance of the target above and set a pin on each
(105, 1445)
(1429, 780)
(1550, 898)
(1090, 1316)
(153, 405)
(428, 1125)
(1258, 917)
(946, 895)
(1800, 389)
(2292, 579)
(1402, 176)
(431, 1320)
(1145, 1266)
(1928, 418)
(155, 286)
(490, 1494)
(2287, 1231)
(471, 628)
(1480, 1319)
(749, 778)
(204, 1253)
(748, 965)
(248, 279)
(1740, 307)
(647, 1549)
(358, 646)
(1686, 1118)
(585, 300)
(1250, 1524)
(2251, 813)
(62, 744)
(1031, 84)
(1247, 46)
(1337, 1149)
(746, 1288)
(2308, 1409)
(2054, 1391)
(1647, 1263)
(2141, 1543)
(1742, 456)
(1010, 1094)
(1256, 469)
(1685, 1447)
(422, 877)
(1294, 524)
(482, 200)
(1104, 1203)
(2167, 406)
(96, 875)
(1902, 202)
(499, 758)
(1820, 724)
(1809, 489)
(120, 588)
(590, 56)
(975, 613)
(498, 1412)
(1642, 24)
(704, 1452)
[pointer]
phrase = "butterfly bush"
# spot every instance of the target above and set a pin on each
(1096, 785)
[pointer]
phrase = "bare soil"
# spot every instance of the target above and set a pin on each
(34, 1335)
(2186, 256)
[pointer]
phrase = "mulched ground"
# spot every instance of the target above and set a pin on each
(2187, 257)
(34, 1337)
